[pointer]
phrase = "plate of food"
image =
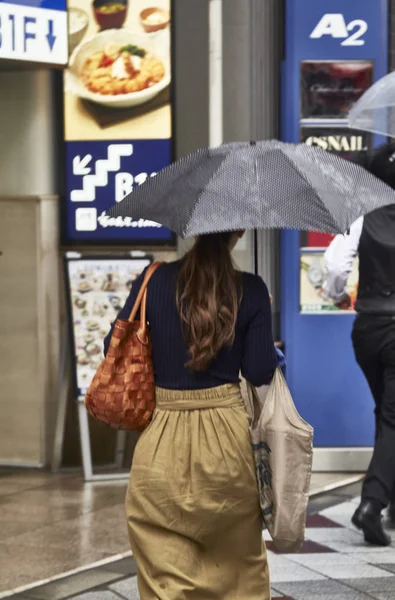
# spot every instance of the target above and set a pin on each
(119, 68)
(93, 325)
(84, 287)
(80, 303)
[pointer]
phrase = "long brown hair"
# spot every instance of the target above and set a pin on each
(208, 298)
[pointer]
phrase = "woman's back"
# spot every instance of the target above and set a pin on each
(252, 351)
(193, 509)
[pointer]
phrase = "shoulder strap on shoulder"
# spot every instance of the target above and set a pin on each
(150, 271)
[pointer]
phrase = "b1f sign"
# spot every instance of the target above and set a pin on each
(335, 25)
(31, 33)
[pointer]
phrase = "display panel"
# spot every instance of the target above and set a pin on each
(329, 89)
(97, 290)
(117, 116)
(326, 383)
(312, 276)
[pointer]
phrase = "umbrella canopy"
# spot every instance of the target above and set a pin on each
(267, 185)
(375, 110)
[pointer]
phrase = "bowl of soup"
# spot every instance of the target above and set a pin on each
(110, 14)
(154, 19)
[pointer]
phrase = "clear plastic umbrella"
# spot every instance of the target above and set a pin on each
(375, 110)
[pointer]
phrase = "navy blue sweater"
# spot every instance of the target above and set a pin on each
(253, 352)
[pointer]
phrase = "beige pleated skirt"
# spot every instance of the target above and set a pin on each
(192, 503)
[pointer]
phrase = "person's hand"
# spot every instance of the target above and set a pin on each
(345, 303)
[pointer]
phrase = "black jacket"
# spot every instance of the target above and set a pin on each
(376, 290)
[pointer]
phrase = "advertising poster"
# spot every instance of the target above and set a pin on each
(329, 89)
(326, 383)
(312, 278)
(98, 289)
(118, 114)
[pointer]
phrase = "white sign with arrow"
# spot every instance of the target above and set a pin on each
(80, 165)
(33, 34)
(90, 181)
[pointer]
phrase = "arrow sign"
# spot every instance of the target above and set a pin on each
(50, 35)
(80, 166)
(103, 167)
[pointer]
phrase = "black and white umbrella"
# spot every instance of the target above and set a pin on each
(267, 185)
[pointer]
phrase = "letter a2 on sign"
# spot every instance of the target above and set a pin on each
(336, 26)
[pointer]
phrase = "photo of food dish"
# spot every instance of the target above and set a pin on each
(82, 358)
(110, 284)
(121, 70)
(110, 14)
(312, 277)
(120, 59)
(116, 302)
(118, 69)
(84, 286)
(79, 302)
(94, 307)
(92, 349)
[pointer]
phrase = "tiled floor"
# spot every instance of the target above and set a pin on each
(54, 524)
(334, 564)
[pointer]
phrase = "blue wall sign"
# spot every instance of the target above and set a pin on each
(99, 174)
(34, 31)
(332, 49)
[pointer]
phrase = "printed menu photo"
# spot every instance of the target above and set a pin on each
(312, 277)
(117, 85)
(98, 289)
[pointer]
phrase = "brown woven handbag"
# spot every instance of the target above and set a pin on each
(122, 392)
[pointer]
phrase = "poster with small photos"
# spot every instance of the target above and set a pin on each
(98, 289)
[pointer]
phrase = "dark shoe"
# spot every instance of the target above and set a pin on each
(368, 520)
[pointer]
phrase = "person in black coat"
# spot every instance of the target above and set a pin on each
(372, 238)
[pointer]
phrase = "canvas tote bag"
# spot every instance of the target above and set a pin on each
(283, 451)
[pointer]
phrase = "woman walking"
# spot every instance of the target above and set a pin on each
(192, 504)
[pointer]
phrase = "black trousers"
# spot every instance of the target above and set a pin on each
(374, 345)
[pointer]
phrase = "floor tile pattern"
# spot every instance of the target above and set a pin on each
(335, 563)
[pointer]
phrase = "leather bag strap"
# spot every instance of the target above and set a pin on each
(141, 300)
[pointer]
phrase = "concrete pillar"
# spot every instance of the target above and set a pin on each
(29, 266)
